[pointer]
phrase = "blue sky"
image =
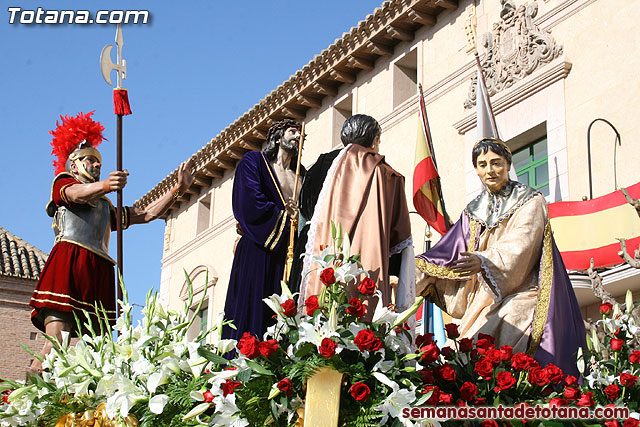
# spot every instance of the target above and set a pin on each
(192, 70)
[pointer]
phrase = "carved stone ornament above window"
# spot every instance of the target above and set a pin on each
(514, 49)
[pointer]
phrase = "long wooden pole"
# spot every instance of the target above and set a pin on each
(294, 220)
(119, 208)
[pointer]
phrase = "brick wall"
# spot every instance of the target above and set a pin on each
(16, 327)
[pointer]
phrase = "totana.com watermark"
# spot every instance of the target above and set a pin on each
(18, 15)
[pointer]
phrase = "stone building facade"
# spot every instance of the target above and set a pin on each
(20, 267)
(552, 67)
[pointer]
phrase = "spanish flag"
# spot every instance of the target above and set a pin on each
(588, 229)
(427, 195)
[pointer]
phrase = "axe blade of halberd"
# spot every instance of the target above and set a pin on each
(107, 65)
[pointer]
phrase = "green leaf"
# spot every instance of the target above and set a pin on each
(258, 368)
(305, 349)
(211, 357)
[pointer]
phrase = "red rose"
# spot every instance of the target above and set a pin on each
(489, 423)
(445, 373)
(616, 344)
(430, 353)
(506, 351)
(460, 403)
(571, 393)
(484, 368)
(494, 356)
(522, 361)
(489, 338)
(611, 423)
(208, 396)
(634, 357)
(360, 391)
(328, 277)
(538, 376)
(558, 401)
(285, 386)
(229, 386)
(447, 352)
(311, 305)
(356, 308)
(327, 348)
(482, 345)
(627, 380)
(289, 308)
(366, 340)
(248, 345)
(586, 399)
(466, 344)
(434, 399)
(426, 375)
(612, 391)
(422, 340)
(267, 348)
(452, 330)
(630, 422)
(571, 380)
(367, 286)
(446, 399)
(468, 391)
(506, 380)
(554, 373)
(479, 402)
(606, 308)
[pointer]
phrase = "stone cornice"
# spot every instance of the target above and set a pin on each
(356, 50)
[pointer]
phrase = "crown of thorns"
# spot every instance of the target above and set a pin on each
(282, 125)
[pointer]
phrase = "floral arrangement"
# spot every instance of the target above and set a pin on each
(153, 375)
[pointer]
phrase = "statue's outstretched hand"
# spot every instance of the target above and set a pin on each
(185, 175)
(467, 264)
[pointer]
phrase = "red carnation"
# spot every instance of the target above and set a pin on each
(452, 330)
(229, 386)
(446, 399)
(466, 344)
(489, 423)
(366, 340)
(571, 393)
(634, 357)
(367, 286)
(506, 352)
(327, 348)
(289, 308)
(427, 376)
(558, 401)
(468, 391)
(430, 353)
(538, 376)
(360, 391)
(445, 373)
(554, 373)
(586, 400)
(627, 380)
(248, 345)
(208, 396)
(328, 277)
(311, 304)
(630, 422)
(267, 348)
(356, 308)
(484, 368)
(606, 308)
(616, 344)
(505, 380)
(285, 386)
(612, 391)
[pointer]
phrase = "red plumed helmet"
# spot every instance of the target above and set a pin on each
(70, 133)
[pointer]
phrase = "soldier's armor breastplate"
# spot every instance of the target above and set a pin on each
(87, 225)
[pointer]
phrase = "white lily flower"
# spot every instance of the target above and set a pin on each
(315, 333)
(394, 403)
(157, 403)
(227, 413)
(382, 314)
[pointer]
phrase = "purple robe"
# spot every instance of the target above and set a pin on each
(258, 263)
(555, 328)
